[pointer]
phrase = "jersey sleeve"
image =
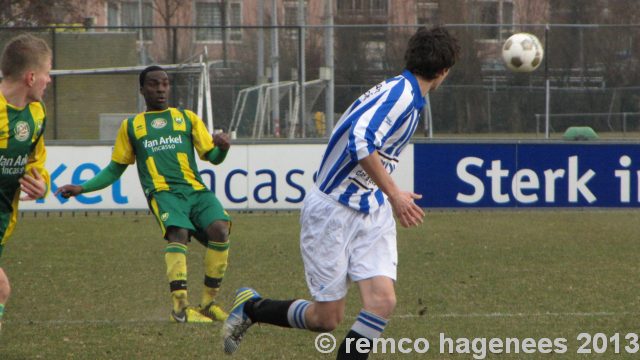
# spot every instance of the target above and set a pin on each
(37, 160)
(372, 128)
(202, 140)
(123, 151)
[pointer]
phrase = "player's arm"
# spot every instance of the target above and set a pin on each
(36, 181)
(123, 156)
(104, 178)
(367, 138)
(222, 144)
(214, 150)
(401, 201)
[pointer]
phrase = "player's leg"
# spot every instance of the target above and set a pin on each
(5, 291)
(250, 308)
(373, 265)
(7, 224)
(320, 316)
(213, 224)
(378, 302)
(172, 215)
(215, 267)
(326, 228)
(175, 257)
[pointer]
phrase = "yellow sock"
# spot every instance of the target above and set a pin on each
(215, 265)
(176, 258)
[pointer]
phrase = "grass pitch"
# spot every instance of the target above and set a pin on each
(94, 287)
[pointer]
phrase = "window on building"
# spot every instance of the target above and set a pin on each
(235, 19)
(374, 52)
(291, 17)
(363, 7)
(427, 12)
(494, 12)
(126, 13)
(378, 7)
(210, 13)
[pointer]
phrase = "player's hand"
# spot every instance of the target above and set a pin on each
(406, 210)
(222, 141)
(33, 186)
(69, 190)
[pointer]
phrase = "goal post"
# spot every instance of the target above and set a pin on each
(252, 111)
(196, 86)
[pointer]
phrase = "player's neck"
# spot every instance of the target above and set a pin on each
(158, 109)
(14, 93)
(425, 85)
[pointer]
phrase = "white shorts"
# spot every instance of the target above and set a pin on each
(339, 245)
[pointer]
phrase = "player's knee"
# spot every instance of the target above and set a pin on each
(326, 321)
(381, 304)
(327, 324)
(5, 288)
(218, 231)
(175, 234)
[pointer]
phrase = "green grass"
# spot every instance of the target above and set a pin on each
(94, 287)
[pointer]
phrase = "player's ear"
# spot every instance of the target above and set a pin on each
(29, 77)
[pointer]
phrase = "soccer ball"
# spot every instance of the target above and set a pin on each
(522, 52)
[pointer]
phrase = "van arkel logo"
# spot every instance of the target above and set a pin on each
(158, 123)
(22, 131)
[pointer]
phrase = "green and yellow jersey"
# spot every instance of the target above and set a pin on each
(162, 143)
(21, 149)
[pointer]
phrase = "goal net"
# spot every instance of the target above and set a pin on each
(81, 94)
(272, 110)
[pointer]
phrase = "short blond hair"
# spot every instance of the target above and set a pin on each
(22, 53)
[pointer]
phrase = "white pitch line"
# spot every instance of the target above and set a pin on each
(403, 316)
(519, 315)
(88, 321)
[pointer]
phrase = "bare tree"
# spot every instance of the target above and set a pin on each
(167, 10)
(37, 12)
(604, 57)
(470, 109)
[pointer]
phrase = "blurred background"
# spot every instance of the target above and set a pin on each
(288, 68)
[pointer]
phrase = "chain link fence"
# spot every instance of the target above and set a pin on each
(592, 73)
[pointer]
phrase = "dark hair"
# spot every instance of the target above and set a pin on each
(430, 51)
(148, 69)
(24, 52)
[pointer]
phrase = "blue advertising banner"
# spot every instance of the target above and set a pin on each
(461, 175)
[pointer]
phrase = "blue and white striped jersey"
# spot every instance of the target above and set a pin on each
(383, 119)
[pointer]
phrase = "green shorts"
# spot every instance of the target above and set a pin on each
(191, 210)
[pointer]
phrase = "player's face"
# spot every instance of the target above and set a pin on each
(38, 79)
(156, 90)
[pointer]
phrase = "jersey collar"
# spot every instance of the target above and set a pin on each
(418, 100)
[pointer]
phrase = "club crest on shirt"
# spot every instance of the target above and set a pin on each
(179, 120)
(164, 216)
(159, 123)
(22, 131)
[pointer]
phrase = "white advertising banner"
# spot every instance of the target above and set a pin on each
(252, 177)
